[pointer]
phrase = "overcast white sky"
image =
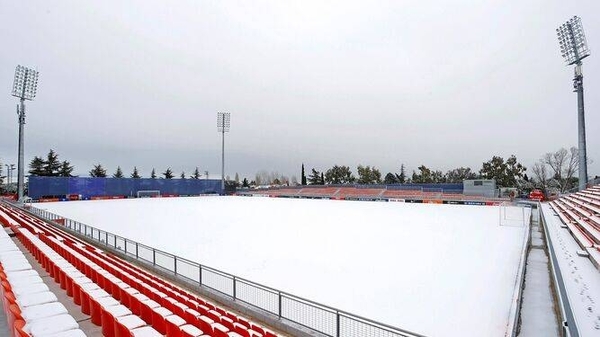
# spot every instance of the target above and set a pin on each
(439, 83)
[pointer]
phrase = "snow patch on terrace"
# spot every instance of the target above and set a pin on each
(440, 270)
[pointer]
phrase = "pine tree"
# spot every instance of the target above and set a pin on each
(196, 175)
(153, 174)
(118, 173)
(368, 175)
(135, 174)
(506, 173)
(245, 183)
(98, 171)
(50, 167)
(402, 176)
(51, 164)
(182, 176)
(339, 175)
(36, 167)
(315, 177)
(65, 169)
(303, 178)
(390, 178)
(168, 173)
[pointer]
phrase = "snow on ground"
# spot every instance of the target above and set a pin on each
(536, 312)
(440, 270)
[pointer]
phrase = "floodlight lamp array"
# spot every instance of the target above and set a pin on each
(572, 41)
(223, 121)
(25, 83)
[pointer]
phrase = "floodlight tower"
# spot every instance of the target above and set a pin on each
(573, 47)
(25, 88)
(9, 169)
(223, 123)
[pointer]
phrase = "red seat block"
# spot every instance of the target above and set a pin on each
(174, 324)
(159, 316)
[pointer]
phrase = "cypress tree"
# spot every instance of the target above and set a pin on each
(303, 178)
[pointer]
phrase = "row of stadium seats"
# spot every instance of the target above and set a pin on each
(31, 308)
(359, 192)
(580, 212)
(336, 192)
(120, 297)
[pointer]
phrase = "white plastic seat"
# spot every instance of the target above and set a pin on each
(43, 310)
(51, 325)
(28, 300)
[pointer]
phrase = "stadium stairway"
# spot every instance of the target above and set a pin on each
(29, 306)
(122, 299)
(580, 213)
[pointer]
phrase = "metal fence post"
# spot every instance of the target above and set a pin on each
(136, 251)
(125, 244)
(153, 257)
(199, 274)
(175, 264)
(234, 287)
(106, 238)
(337, 324)
(279, 304)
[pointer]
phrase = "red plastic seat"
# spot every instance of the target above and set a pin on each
(109, 317)
(19, 329)
(205, 324)
(189, 330)
(219, 330)
(96, 305)
(159, 316)
(242, 330)
(124, 324)
(173, 326)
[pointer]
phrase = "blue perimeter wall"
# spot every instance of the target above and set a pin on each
(128, 187)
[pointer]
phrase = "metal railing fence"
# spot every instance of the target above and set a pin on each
(309, 314)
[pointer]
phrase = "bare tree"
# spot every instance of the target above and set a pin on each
(540, 174)
(564, 164)
(264, 177)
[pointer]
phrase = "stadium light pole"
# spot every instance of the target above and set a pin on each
(9, 169)
(223, 123)
(573, 47)
(25, 88)
(7, 176)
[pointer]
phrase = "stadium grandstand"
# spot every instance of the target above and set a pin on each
(413, 193)
(50, 277)
(58, 277)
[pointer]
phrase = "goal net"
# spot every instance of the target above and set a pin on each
(148, 193)
(514, 215)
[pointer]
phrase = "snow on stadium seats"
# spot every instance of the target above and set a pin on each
(122, 298)
(580, 213)
(30, 307)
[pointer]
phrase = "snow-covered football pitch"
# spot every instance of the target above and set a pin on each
(439, 270)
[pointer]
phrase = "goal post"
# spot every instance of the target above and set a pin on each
(513, 215)
(148, 193)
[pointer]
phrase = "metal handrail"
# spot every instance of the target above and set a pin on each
(375, 328)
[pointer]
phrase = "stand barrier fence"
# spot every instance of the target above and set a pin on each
(314, 316)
